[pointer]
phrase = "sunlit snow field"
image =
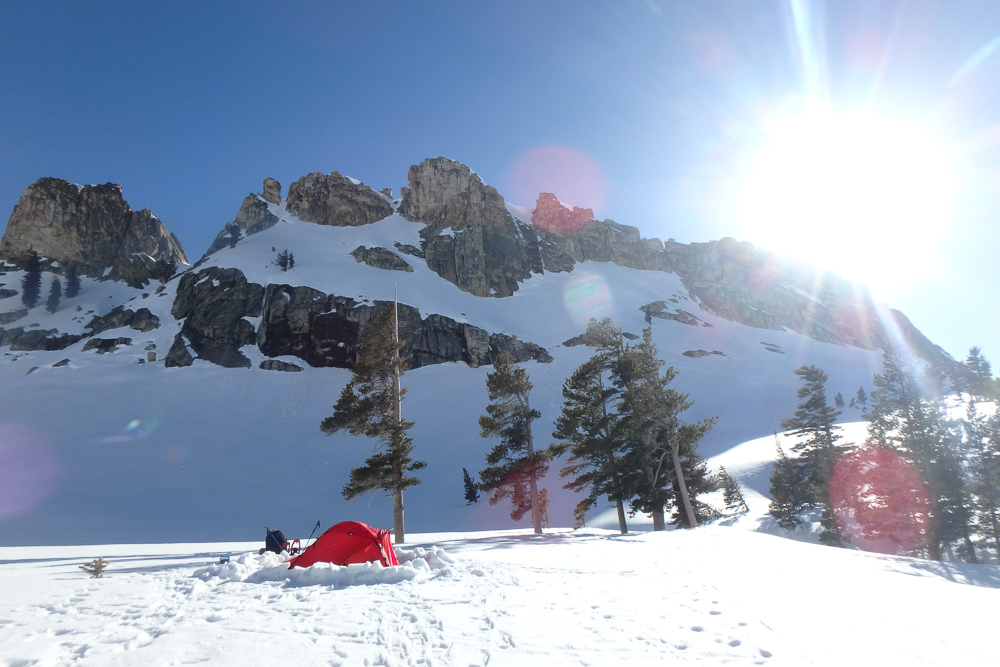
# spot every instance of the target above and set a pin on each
(715, 595)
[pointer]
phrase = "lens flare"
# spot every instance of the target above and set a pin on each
(566, 172)
(28, 470)
(134, 431)
(880, 501)
(585, 296)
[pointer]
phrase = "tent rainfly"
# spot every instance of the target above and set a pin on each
(349, 542)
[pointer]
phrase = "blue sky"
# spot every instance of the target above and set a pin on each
(651, 112)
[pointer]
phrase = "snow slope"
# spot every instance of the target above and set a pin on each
(107, 448)
(715, 595)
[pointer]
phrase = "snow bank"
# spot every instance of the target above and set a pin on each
(415, 565)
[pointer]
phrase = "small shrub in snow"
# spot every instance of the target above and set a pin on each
(95, 568)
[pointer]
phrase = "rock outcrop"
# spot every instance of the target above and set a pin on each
(91, 227)
(322, 329)
(254, 216)
(213, 304)
(470, 239)
(335, 200)
(381, 258)
(140, 320)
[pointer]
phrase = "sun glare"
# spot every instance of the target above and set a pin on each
(864, 196)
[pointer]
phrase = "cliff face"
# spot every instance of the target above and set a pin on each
(91, 227)
(471, 239)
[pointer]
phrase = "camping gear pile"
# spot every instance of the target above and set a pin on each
(344, 543)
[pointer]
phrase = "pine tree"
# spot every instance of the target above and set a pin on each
(979, 375)
(590, 426)
(471, 492)
(291, 261)
(904, 419)
(284, 260)
(514, 466)
(838, 401)
(787, 483)
(55, 294)
(861, 399)
(732, 494)
(370, 405)
(72, 281)
(163, 270)
(661, 462)
(31, 284)
(983, 444)
(814, 422)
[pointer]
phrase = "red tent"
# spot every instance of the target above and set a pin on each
(348, 542)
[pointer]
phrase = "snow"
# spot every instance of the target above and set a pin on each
(117, 450)
(715, 595)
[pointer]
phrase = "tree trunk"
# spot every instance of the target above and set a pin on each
(681, 486)
(619, 505)
(397, 515)
(659, 521)
(536, 515)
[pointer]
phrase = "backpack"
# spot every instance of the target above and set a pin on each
(274, 541)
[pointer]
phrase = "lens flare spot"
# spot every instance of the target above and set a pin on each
(28, 470)
(570, 174)
(134, 431)
(880, 501)
(586, 296)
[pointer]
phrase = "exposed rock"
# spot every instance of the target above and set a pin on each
(408, 249)
(254, 216)
(573, 236)
(471, 239)
(151, 357)
(660, 310)
(103, 345)
(696, 353)
(272, 191)
(91, 227)
(574, 341)
(326, 330)
(213, 303)
(7, 293)
(380, 258)
(335, 200)
(36, 339)
(140, 320)
(178, 354)
(13, 316)
(276, 365)
(61, 363)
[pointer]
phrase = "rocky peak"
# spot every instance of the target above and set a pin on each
(272, 190)
(550, 215)
(336, 200)
(470, 239)
(91, 227)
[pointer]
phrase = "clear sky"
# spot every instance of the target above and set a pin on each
(864, 134)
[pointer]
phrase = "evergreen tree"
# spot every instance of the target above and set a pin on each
(903, 418)
(514, 466)
(370, 405)
(55, 294)
(787, 483)
(838, 401)
(861, 399)
(31, 284)
(72, 281)
(732, 494)
(979, 375)
(284, 260)
(590, 426)
(983, 444)
(814, 423)
(291, 260)
(471, 492)
(661, 462)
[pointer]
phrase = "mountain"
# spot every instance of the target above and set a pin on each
(189, 410)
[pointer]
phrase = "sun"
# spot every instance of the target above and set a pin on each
(865, 196)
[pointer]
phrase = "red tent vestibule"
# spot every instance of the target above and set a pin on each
(349, 542)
